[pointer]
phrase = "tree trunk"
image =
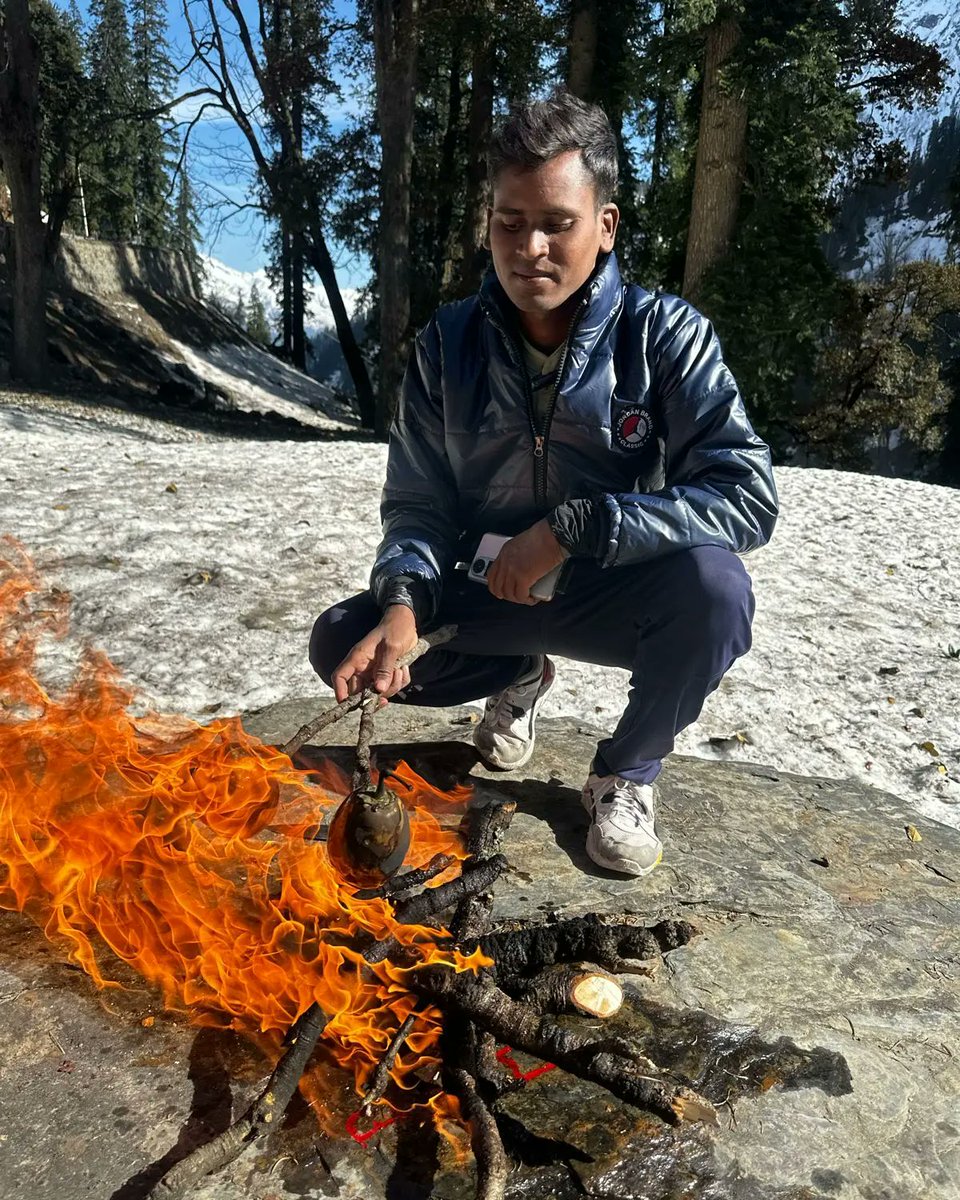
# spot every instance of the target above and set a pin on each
(299, 346)
(446, 233)
(319, 258)
(395, 46)
(474, 224)
(286, 273)
(660, 104)
(20, 152)
(582, 48)
(721, 152)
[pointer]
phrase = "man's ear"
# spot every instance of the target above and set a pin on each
(609, 220)
(486, 230)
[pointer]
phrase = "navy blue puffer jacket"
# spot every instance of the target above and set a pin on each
(646, 421)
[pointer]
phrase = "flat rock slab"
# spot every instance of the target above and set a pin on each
(818, 1009)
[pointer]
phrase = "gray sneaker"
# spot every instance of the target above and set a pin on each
(506, 735)
(621, 836)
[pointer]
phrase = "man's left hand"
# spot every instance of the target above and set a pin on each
(522, 561)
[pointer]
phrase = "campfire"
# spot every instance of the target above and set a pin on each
(212, 865)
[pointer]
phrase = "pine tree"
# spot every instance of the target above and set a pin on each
(64, 116)
(186, 228)
(111, 187)
(257, 325)
(152, 79)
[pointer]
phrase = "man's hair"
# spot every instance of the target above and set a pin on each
(537, 132)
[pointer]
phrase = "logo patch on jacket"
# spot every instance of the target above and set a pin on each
(633, 428)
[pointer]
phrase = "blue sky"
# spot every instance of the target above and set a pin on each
(221, 166)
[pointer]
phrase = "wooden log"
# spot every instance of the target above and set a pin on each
(521, 953)
(573, 987)
(623, 1073)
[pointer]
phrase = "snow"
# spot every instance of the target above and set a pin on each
(258, 382)
(205, 596)
(892, 239)
(227, 283)
(936, 22)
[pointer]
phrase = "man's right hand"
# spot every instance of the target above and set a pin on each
(373, 660)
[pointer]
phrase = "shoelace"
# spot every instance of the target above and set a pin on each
(630, 804)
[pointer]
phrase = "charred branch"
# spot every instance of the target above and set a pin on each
(524, 952)
(614, 1066)
(492, 1165)
(264, 1113)
(409, 880)
(486, 830)
(419, 909)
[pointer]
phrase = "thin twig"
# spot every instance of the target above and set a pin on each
(361, 772)
(378, 1081)
(435, 638)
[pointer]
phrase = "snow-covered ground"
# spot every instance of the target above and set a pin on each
(258, 382)
(205, 595)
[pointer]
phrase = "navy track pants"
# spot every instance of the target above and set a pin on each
(676, 623)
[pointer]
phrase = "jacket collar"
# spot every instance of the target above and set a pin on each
(600, 298)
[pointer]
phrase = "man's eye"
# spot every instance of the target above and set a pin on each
(510, 228)
(559, 228)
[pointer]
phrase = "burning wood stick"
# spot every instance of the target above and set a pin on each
(419, 909)
(520, 1026)
(408, 880)
(435, 637)
(378, 1081)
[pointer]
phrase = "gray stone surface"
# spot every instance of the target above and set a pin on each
(818, 1007)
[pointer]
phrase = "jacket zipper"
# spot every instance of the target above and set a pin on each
(540, 434)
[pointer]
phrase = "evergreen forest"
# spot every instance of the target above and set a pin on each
(762, 177)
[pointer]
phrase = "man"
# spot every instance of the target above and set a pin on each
(597, 423)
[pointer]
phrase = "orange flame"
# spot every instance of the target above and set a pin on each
(180, 849)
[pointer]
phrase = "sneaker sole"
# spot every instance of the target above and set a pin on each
(621, 866)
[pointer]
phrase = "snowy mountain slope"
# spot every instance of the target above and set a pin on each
(227, 283)
(936, 22)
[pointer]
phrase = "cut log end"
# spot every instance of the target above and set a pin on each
(691, 1107)
(597, 994)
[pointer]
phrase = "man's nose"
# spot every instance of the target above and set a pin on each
(535, 244)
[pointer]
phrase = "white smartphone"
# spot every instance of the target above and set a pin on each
(486, 555)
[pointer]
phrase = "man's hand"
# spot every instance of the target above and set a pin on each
(373, 660)
(522, 561)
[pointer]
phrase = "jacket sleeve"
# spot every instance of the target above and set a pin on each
(718, 488)
(419, 506)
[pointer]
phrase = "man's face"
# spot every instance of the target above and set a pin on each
(546, 232)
